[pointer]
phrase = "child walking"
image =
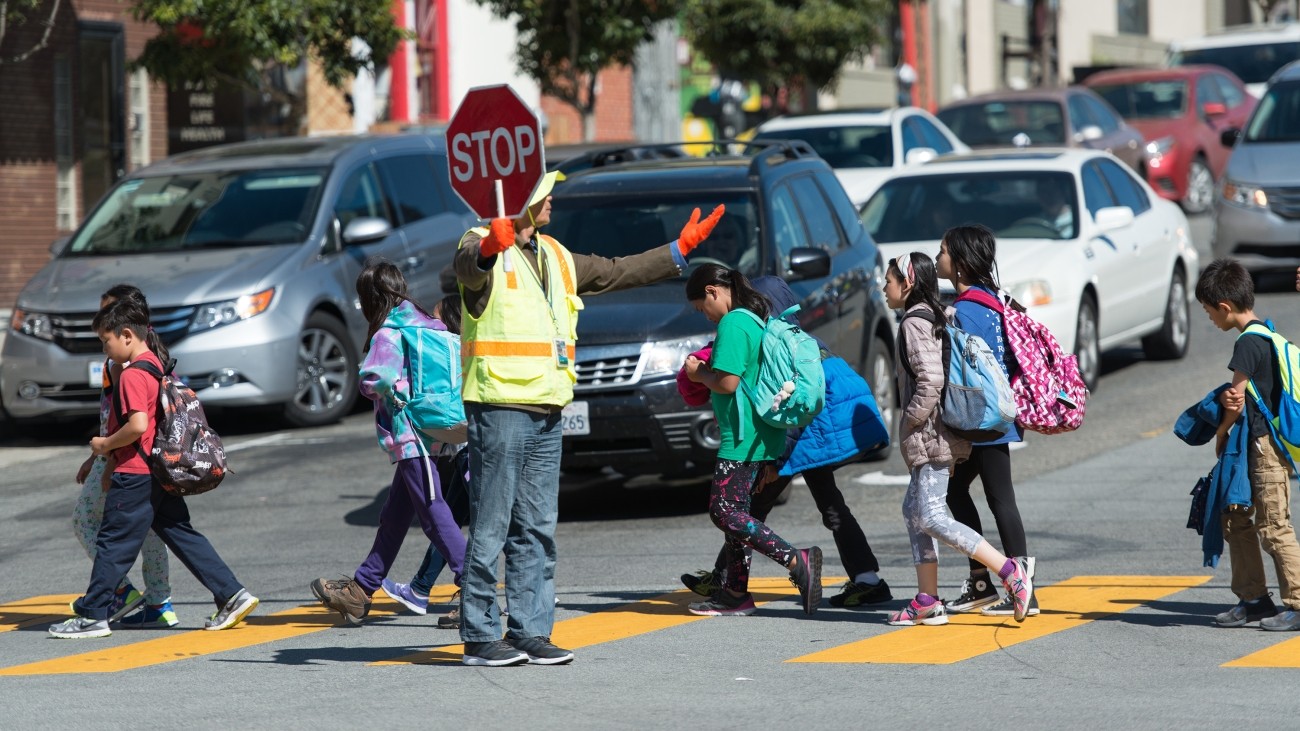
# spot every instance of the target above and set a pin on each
(1227, 294)
(93, 476)
(416, 489)
(966, 258)
(135, 501)
(930, 450)
(749, 445)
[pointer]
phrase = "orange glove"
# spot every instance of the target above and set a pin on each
(696, 230)
(499, 238)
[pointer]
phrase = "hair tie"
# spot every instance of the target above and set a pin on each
(149, 328)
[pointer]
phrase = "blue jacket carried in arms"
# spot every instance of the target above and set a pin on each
(848, 425)
(1230, 478)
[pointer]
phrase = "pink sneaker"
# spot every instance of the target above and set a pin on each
(1020, 589)
(914, 613)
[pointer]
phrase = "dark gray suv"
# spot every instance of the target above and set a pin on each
(787, 215)
(248, 254)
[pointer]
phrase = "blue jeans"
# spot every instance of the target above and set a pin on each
(514, 458)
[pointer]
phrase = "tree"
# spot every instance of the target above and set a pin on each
(563, 44)
(790, 43)
(14, 14)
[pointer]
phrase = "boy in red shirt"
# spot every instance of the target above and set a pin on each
(135, 501)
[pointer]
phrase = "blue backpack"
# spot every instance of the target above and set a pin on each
(791, 386)
(977, 401)
(434, 406)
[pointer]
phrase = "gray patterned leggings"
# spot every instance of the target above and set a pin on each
(925, 511)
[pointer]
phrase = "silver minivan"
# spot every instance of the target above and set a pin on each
(248, 254)
(1257, 209)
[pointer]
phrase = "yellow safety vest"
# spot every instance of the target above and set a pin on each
(508, 353)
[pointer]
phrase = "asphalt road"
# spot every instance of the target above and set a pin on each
(1124, 639)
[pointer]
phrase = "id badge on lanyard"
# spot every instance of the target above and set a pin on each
(561, 354)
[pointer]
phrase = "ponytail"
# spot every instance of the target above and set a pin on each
(155, 344)
(973, 250)
(743, 293)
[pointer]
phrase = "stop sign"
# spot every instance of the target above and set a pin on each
(493, 136)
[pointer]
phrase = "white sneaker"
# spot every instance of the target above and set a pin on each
(79, 628)
(239, 606)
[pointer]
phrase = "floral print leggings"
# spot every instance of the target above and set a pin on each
(729, 500)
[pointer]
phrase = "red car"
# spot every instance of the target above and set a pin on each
(1180, 111)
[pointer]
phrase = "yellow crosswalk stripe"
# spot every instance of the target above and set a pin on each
(34, 610)
(255, 630)
(618, 623)
(1066, 605)
(1282, 655)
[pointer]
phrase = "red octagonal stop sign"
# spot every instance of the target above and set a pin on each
(493, 136)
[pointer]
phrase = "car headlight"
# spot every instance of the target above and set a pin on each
(1033, 293)
(1156, 148)
(666, 357)
(1246, 196)
(32, 324)
(224, 313)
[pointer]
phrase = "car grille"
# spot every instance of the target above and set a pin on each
(73, 332)
(1273, 251)
(605, 367)
(1285, 202)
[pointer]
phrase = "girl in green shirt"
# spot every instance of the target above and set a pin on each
(749, 445)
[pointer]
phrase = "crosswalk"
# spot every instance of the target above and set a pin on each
(1066, 605)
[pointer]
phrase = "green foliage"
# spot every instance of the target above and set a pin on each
(233, 40)
(16, 16)
(781, 42)
(564, 43)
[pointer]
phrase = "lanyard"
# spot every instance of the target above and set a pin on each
(544, 289)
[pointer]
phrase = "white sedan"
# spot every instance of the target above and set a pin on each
(865, 147)
(1094, 253)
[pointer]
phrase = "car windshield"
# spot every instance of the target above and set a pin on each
(1252, 64)
(623, 226)
(859, 146)
(1155, 99)
(1277, 119)
(1015, 205)
(190, 211)
(1001, 123)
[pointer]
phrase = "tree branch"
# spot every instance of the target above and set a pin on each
(40, 45)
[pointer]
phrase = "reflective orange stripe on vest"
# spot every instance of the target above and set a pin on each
(564, 264)
(488, 348)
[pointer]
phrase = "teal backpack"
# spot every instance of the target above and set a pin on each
(791, 386)
(434, 406)
(1285, 424)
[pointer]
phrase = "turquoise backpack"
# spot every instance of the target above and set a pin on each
(1285, 424)
(791, 386)
(435, 406)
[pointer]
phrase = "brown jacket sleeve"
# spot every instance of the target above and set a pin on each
(597, 274)
(476, 282)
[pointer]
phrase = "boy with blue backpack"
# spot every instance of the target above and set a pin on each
(1227, 294)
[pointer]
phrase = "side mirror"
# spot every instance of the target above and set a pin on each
(1088, 134)
(365, 230)
(1229, 137)
(1113, 218)
(1214, 109)
(59, 245)
(918, 155)
(808, 263)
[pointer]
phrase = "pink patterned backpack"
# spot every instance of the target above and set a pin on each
(1050, 395)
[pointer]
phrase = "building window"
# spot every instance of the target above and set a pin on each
(65, 161)
(138, 119)
(1133, 16)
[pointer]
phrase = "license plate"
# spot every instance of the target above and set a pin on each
(95, 374)
(575, 420)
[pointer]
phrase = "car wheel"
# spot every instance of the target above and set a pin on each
(879, 374)
(1200, 187)
(1170, 341)
(1086, 346)
(327, 373)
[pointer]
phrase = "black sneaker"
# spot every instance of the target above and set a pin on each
(493, 654)
(703, 583)
(857, 595)
(807, 577)
(723, 604)
(1246, 612)
(541, 651)
(976, 592)
(1007, 608)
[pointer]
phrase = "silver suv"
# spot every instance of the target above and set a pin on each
(1257, 210)
(248, 254)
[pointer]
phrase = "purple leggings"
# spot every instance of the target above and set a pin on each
(729, 499)
(414, 482)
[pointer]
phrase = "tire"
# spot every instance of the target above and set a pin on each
(1200, 187)
(1086, 346)
(1170, 341)
(326, 373)
(878, 370)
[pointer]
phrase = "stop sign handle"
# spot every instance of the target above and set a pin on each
(501, 199)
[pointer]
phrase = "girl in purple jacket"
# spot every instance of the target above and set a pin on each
(415, 489)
